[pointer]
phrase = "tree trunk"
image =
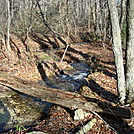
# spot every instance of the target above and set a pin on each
(122, 13)
(117, 48)
(63, 98)
(8, 27)
(130, 51)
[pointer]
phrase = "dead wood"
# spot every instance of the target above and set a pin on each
(64, 98)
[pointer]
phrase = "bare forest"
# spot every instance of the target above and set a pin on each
(66, 66)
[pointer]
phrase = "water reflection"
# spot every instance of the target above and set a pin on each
(4, 116)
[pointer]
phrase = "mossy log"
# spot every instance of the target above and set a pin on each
(64, 98)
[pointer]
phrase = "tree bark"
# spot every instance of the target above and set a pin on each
(122, 13)
(117, 48)
(63, 98)
(8, 27)
(130, 51)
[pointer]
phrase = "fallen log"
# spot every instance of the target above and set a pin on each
(64, 98)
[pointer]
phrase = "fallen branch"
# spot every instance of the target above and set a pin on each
(64, 53)
(64, 98)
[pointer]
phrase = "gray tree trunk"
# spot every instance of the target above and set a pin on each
(117, 48)
(8, 27)
(122, 12)
(130, 51)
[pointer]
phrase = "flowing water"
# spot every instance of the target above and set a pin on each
(22, 109)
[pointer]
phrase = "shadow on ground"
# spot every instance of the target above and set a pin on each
(102, 92)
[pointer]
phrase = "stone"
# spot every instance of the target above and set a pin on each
(80, 114)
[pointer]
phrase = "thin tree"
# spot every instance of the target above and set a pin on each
(130, 51)
(8, 27)
(122, 12)
(117, 49)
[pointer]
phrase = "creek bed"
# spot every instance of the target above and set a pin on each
(16, 108)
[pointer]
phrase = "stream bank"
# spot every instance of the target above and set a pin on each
(16, 108)
(103, 85)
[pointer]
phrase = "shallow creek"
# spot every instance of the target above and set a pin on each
(69, 80)
(22, 109)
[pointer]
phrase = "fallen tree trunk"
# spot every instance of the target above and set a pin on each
(63, 98)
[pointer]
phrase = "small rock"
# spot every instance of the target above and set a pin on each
(87, 127)
(80, 114)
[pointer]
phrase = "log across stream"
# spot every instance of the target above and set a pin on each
(64, 98)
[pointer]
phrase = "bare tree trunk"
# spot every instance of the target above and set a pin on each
(104, 20)
(117, 48)
(123, 12)
(12, 10)
(8, 27)
(89, 16)
(130, 51)
(97, 14)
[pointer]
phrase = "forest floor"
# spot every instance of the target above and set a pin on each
(103, 83)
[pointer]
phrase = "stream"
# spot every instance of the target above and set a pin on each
(69, 80)
(22, 109)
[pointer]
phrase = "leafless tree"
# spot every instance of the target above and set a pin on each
(8, 29)
(123, 83)
(117, 48)
(129, 51)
